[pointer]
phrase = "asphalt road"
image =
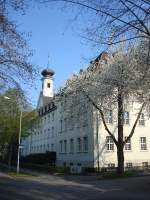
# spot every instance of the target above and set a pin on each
(73, 188)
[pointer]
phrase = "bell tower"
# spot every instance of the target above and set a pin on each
(47, 82)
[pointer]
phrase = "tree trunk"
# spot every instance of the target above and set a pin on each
(120, 157)
(120, 153)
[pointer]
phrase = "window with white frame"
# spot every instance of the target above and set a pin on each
(85, 144)
(65, 146)
(71, 145)
(60, 146)
(129, 165)
(109, 143)
(65, 124)
(79, 145)
(52, 147)
(128, 145)
(71, 122)
(48, 133)
(126, 117)
(109, 117)
(111, 165)
(143, 143)
(142, 120)
(145, 164)
(52, 131)
(61, 125)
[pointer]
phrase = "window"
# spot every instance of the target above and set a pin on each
(85, 144)
(52, 147)
(126, 117)
(111, 165)
(48, 132)
(65, 146)
(71, 146)
(47, 146)
(65, 124)
(142, 120)
(129, 165)
(109, 116)
(145, 164)
(48, 85)
(128, 145)
(61, 125)
(109, 143)
(61, 107)
(79, 145)
(143, 143)
(60, 147)
(52, 131)
(52, 116)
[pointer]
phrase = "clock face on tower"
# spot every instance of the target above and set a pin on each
(48, 85)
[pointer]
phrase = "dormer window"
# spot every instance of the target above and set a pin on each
(48, 85)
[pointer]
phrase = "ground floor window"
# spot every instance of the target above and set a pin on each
(109, 143)
(129, 165)
(145, 164)
(111, 165)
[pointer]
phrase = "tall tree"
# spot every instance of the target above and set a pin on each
(113, 81)
(14, 52)
(12, 103)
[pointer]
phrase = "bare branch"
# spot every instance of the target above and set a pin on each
(102, 116)
(135, 123)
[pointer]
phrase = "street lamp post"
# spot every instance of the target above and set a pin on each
(19, 138)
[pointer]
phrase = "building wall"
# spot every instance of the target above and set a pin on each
(52, 129)
(52, 132)
(136, 156)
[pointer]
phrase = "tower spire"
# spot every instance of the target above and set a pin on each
(47, 80)
(48, 62)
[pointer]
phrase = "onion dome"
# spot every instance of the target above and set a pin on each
(48, 72)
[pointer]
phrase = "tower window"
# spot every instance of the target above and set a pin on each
(48, 85)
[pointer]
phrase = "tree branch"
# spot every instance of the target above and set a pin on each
(97, 11)
(140, 7)
(135, 123)
(141, 22)
(102, 116)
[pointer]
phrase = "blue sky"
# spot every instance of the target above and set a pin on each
(54, 33)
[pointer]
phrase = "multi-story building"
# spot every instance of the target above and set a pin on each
(84, 141)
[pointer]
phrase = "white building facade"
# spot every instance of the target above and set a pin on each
(84, 141)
